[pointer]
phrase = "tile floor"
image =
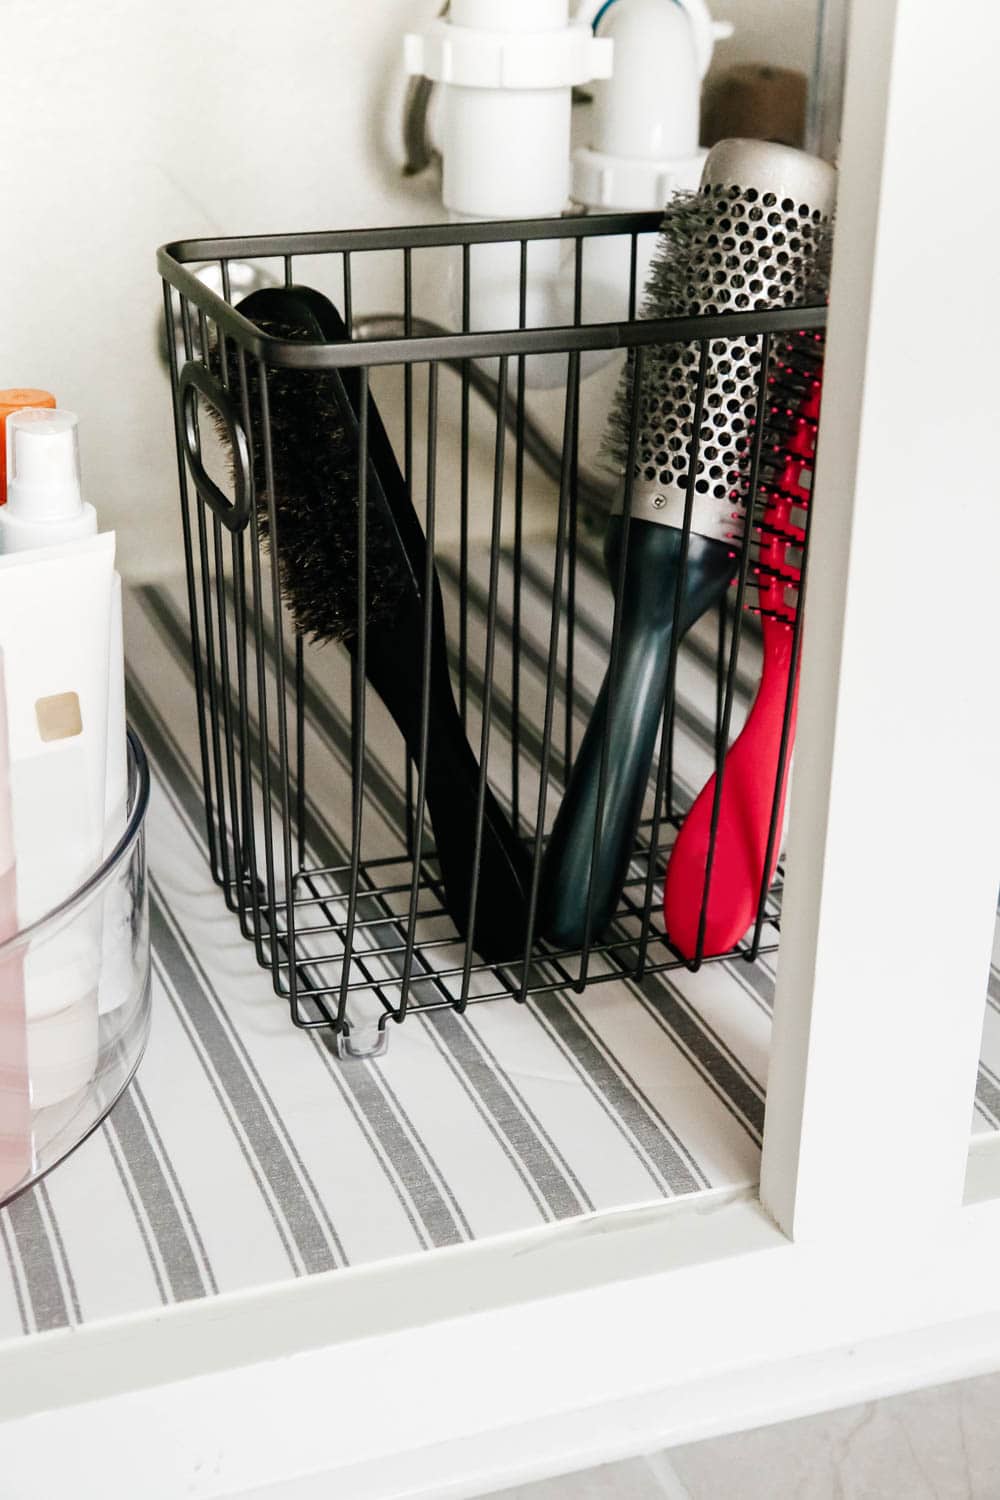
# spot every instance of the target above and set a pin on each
(939, 1444)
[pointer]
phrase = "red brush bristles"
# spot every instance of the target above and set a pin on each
(785, 488)
(726, 851)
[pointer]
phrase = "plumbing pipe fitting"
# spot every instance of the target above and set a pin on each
(509, 70)
(646, 117)
(706, 30)
(450, 52)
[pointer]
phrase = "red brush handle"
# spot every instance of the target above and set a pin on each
(750, 790)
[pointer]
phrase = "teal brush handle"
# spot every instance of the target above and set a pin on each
(649, 592)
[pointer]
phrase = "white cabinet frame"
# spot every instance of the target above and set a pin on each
(894, 861)
(861, 1271)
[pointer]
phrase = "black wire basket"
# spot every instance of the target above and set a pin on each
(315, 811)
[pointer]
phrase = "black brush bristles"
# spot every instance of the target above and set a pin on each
(311, 524)
(315, 461)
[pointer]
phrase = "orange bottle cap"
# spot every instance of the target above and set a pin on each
(16, 400)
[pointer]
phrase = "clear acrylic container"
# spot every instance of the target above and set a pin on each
(74, 1006)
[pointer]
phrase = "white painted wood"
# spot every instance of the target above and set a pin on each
(894, 856)
(670, 1325)
(982, 1176)
(452, 1374)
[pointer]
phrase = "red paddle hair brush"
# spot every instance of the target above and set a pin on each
(727, 850)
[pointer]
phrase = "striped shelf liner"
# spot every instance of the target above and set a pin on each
(245, 1154)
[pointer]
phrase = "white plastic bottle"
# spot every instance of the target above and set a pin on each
(507, 73)
(45, 506)
(60, 618)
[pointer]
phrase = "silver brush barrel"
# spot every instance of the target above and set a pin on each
(753, 238)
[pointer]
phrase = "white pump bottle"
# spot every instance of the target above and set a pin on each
(46, 510)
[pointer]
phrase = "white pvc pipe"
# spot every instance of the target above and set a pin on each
(706, 31)
(508, 71)
(508, 68)
(645, 118)
(649, 107)
(510, 15)
(644, 142)
(505, 154)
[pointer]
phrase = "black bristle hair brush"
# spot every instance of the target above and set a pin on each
(314, 424)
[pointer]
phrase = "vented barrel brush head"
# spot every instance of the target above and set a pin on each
(755, 237)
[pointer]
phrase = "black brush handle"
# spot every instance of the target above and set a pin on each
(394, 659)
(394, 666)
(630, 718)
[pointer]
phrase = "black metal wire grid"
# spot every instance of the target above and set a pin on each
(337, 926)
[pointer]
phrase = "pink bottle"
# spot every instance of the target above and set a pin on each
(15, 1106)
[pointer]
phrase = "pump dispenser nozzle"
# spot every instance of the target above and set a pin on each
(44, 501)
(16, 399)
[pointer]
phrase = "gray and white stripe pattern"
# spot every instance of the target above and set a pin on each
(245, 1153)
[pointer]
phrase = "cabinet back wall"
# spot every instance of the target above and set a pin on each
(127, 123)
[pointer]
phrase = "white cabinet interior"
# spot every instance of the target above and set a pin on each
(872, 1262)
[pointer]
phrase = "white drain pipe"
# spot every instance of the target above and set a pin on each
(508, 68)
(645, 118)
(645, 126)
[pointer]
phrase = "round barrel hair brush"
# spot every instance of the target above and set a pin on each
(315, 421)
(749, 240)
